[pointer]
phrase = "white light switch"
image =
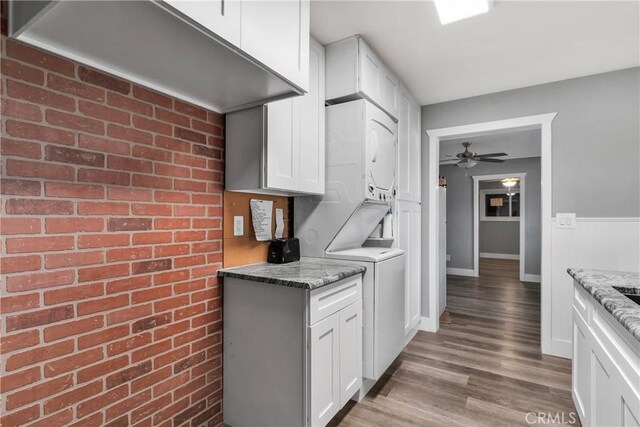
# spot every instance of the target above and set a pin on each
(566, 220)
(238, 226)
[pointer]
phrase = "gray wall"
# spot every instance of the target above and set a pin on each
(596, 137)
(500, 237)
(460, 211)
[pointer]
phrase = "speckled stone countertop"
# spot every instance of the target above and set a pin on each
(308, 273)
(599, 283)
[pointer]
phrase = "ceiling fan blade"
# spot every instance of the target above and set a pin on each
(492, 155)
(482, 159)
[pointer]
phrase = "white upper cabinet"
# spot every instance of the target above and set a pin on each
(222, 17)
(276, 33)
(282, 148)
(355, 71)
(409, 142)
(312, 128)
(279, 148)
(223, 55)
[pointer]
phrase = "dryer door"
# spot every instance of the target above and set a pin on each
(381, 154)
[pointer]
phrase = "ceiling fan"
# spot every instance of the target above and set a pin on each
(469, 159)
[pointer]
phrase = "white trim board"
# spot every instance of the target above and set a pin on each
(469, 272)
(434, 136)
(424, 324)
(535, 278)
(499, 256)
(604, 219)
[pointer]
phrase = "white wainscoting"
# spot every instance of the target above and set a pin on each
(595, 243)
(499, 256)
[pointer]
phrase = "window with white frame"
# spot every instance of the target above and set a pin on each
(500, 205)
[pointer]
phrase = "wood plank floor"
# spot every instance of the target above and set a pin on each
(482, 368)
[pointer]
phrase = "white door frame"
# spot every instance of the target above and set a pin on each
(542, 122)
(476, 217)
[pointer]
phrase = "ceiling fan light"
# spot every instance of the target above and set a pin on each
(468, 164)
(456, 10)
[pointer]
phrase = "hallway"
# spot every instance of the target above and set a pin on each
(483, 367)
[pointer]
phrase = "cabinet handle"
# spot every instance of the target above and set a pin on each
(222, 7)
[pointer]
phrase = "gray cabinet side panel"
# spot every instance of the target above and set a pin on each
(264, 354)
(243, 149)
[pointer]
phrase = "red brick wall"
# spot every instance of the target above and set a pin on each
(111, 236)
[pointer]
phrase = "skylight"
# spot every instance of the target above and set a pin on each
(457, 10)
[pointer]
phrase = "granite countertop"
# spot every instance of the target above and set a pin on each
(308, 273)
(599, 283)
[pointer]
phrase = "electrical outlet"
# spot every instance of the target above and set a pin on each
(238, 226)
(448, 257)
(566, 220)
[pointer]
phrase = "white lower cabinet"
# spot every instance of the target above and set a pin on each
(335, 362)
(350, 351)
(606, 366)
(292, 357)
(324, 369)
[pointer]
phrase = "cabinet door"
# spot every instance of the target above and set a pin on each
(389, 92)
(282, 148)
(376, 82)
(581, 371)
(350, 351)
(222, 17)
(414, 271)
(276, 33)
(312, 143)
(605, 403)
(415, 145)
(324, 367)
(404, 152)
(409, 240)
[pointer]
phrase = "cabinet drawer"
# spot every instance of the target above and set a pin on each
(329, 299)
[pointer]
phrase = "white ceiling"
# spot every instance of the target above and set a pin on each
(516, 144)
(516, 44)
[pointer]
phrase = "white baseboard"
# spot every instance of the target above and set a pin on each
(424, 324)
(536, 278)
(499, 256)
(461, 272)
(561, 348)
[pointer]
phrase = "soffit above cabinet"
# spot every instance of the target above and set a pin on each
(152, 44)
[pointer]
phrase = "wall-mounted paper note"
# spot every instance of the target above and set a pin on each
(279, 223)
(261, 215)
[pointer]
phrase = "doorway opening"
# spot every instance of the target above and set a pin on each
(541, 123)
(500, 222)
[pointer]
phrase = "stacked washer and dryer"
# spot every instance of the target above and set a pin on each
(360, 189)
